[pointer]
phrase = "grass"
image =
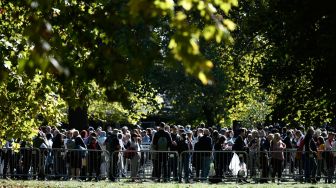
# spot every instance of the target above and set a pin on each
(106, 184)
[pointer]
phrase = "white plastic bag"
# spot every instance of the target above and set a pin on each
(234, 164)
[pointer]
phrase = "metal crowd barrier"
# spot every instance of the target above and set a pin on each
(62, 164)
(24, 163)
(144, 164)
(76, 164)
(289, 165)
(209, 165)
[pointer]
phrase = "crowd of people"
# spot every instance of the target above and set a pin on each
(175, 152)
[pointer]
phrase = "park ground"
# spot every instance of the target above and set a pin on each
(106, 184)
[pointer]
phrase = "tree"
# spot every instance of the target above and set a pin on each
(27, 104)
(297, 40)
(76, 42)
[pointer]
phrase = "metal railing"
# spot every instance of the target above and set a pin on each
(261, 166)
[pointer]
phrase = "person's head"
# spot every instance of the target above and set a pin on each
(75, 133)
(49, 136)
(94, 140)
(298, 134)
(206, 132)
(83, 133)
(48, 129)
(255, 134)
(221, 139)
(202, 125)
(242, 132)
(320, 140)
(200, 132)
(149, 131)
(134, 137)
(189, 134)
(262, 133)
(215, 134)
(127, 136)
(162, 125)
(183, 136)
(174, 129)
(167, 128)
(119, 136)
(277, 137)
(331, 135)
(310, 131)
(124, 129)
(270, 137)
(90, 129)
(59, 137)
(69, 134)
(93, 134)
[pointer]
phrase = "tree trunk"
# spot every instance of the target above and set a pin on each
(78, 118)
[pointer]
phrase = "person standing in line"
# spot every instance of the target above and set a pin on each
(161, 143)
(277, 150)
(135, 159)
(329, 156)
(310, 154)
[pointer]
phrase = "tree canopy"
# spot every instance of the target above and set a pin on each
(189, 60)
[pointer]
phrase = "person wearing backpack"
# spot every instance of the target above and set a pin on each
(161, 143)
(113, 147)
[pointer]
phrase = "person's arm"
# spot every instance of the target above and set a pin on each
(170, 140)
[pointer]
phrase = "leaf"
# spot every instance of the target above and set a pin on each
(229, 24)
(186, 4)
(203, 77)
(209, 32)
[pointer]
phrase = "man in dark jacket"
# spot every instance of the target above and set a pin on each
(205, 145)
(113, 147)
(173, 161)
(161, 144)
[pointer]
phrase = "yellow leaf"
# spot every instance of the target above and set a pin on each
(172, 44)
(229, 24)
(225, 7)
(234, 3)
(209, 32)
(186, 4)
(209, 64)
(180, 16)
(195, 47)
(203, 77)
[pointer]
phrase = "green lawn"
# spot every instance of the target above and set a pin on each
(106, 184)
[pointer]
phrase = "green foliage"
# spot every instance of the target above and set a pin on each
(299, 62)
(27, 104)
(143, 100)
(76, 37)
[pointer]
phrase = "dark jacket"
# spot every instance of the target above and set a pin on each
(162, 133)
(239, 144)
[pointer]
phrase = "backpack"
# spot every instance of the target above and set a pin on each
(162, 144)
(112, 143)
(71, 144)
(129, 152)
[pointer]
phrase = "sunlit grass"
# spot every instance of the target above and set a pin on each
(124, 184)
